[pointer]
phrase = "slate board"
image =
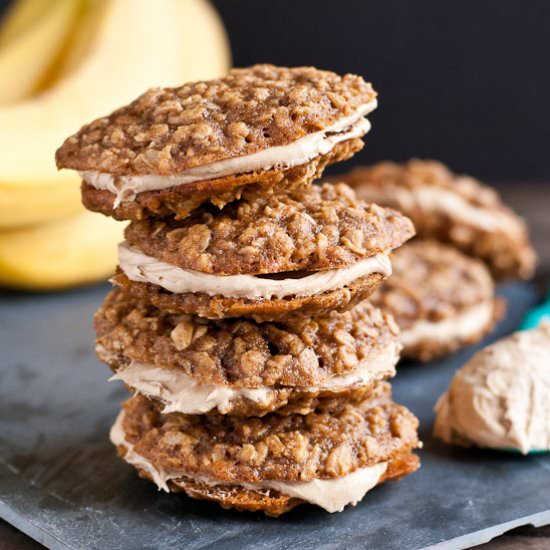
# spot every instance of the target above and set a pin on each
(61, 483)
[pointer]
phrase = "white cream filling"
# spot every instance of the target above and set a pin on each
(331, 494)
(182, 393)
(146, 269)
(433, 200)
(470, 322)
(281, 157)
(501, 397)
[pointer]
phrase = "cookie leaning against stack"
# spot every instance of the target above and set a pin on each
(237, 321)
(441, 299)
(456, 209)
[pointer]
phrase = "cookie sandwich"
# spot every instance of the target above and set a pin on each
(174, 148)
(305, 252)
(193, 365)
(441, 299)
(330, 457)
(452, 208)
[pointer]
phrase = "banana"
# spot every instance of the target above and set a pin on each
(82, 38)
(28, 54)
(69, 252)
(28, 203)
(137, 44)
(20, 16)
(117, 49)
(206, 58)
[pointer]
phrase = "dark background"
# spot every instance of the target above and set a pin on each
(463, 81)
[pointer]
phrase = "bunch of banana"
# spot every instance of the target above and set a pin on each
(63, 63)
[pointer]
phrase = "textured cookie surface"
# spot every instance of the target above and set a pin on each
(323, 227)
(166, 131)
(435, 285)
(328, 443)
(432, 281)
(269, 501)
(453, 208)
(274, 309)
(299, 353)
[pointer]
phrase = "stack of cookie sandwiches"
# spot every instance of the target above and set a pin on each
(238, 319)
(442, 293)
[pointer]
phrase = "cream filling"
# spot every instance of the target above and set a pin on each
(181, 393)
(501, 397)
(146, 269)
(331, 494)
(280, 157)
(470, 322)
(433, 200)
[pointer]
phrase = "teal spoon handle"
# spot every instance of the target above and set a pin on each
(537, 314)
(532, 320)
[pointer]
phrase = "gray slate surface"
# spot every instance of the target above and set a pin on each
(61, 483)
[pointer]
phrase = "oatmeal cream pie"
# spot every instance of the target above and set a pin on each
(452, 208)
(440, 298)
(330, 457)
(175, 148)
(309, 251)
(195, 366)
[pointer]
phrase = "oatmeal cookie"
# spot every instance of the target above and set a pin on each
(452, 208)
(260, 310)
(239, 367)
(269, 501)
(210, 139)
(323, 227)
(441, 299)
(273, 457)
(180, 200)
(264, 257)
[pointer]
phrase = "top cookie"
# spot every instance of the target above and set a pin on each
(452, 208)
(210, 137)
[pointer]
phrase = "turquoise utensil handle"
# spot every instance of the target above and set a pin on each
(537, 314)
